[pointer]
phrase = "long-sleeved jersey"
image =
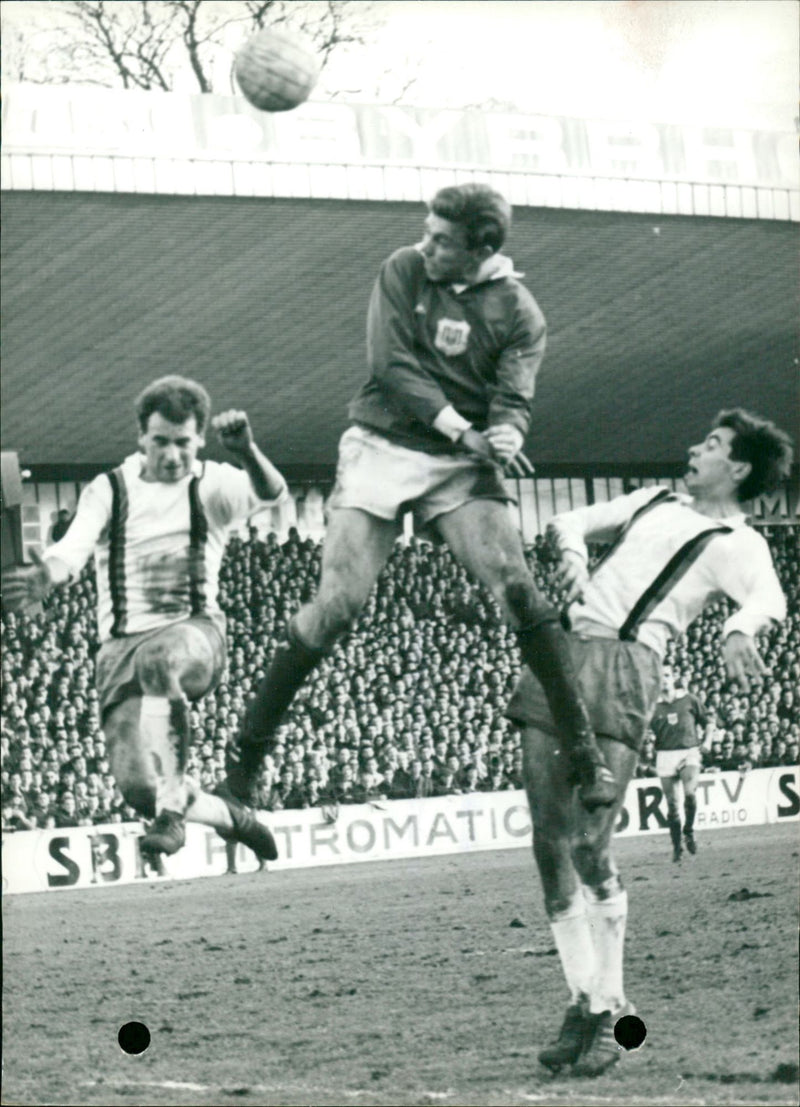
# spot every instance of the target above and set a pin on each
(476, 348)
(665, 562)
(157, 546)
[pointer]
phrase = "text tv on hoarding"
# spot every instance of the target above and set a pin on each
(86, 857)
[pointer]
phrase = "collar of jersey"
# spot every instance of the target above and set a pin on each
(738, 520)
(133, 466)
(494, 268)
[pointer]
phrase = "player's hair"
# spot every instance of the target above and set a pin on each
(484, 214)
(175, 398)
(766, 447)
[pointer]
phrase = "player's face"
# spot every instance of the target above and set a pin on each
(711, 471)
(445, 253)
(169, 448)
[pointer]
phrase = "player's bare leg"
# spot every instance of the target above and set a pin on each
(356, 548)
(689, 774)
(551, 801)
(482, 536)
(670, 786)
(148, 740)
(146, 764)
(584, 900)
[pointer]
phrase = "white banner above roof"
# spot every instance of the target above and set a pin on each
(173, 128)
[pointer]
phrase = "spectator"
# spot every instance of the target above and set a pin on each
(421, 690)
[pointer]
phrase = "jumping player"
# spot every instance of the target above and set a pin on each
(454, 343)
(676, 719)
(157, 526)
(669, 556)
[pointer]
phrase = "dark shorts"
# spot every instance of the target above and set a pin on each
(385, 479)
(620, 683)
(116, 676)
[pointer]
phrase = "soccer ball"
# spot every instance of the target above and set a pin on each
(276, 70)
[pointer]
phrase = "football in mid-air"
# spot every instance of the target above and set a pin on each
(276, 70)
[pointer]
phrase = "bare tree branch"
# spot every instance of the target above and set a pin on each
(158, 44)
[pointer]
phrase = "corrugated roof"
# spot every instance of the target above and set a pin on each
(654, 322)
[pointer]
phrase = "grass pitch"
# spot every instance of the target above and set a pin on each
(400, 983)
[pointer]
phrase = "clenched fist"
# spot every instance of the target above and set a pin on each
(233, 431)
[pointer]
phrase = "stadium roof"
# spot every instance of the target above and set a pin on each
(655, 322)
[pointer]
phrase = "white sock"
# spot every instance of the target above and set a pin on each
(607, 918)
(573, 940)
(155, 735)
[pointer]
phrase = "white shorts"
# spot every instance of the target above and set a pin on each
(670, 762)
(385, 479)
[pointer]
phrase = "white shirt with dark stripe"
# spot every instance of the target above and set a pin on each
(735, 562)
(157, 547)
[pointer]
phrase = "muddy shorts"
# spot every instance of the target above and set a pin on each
(670, 762)
(116, 675)
(620, 682)
(386, 480)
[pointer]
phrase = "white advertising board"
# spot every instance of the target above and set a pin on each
(95, 857)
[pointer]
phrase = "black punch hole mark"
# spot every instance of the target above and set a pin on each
(630, 1031)
(134, 1037)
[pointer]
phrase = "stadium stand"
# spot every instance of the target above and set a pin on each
(409, 704)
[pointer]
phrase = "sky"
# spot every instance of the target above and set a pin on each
(724, 62)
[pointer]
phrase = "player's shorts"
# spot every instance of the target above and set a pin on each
(386, 480)
(620, 682)
(116, 675)
(670, 762)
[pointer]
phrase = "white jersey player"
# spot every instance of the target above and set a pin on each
(668, 557)
(157, 527)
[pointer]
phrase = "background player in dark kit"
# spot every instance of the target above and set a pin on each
(676, 719)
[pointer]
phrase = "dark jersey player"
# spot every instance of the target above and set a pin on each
(677, 721)
(454, 343)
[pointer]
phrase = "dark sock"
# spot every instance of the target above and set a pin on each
(545, 650)
(289, 668)
(674, 824)
(690, 809)
(287, 672)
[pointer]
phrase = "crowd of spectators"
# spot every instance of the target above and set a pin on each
(409, 704)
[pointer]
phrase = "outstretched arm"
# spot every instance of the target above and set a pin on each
(26, 584)
(751, 582)
(235, 434)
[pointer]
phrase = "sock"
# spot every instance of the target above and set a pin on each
(690, 809)
(674, 824)
(573, 940)
(607, 918)
(154, 730)
(289, 668)
(545, 650)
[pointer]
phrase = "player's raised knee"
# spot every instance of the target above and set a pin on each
(336, 615)
(157, 669)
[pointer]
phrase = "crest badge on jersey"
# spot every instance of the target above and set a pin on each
(672, 718)
(451, 336)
